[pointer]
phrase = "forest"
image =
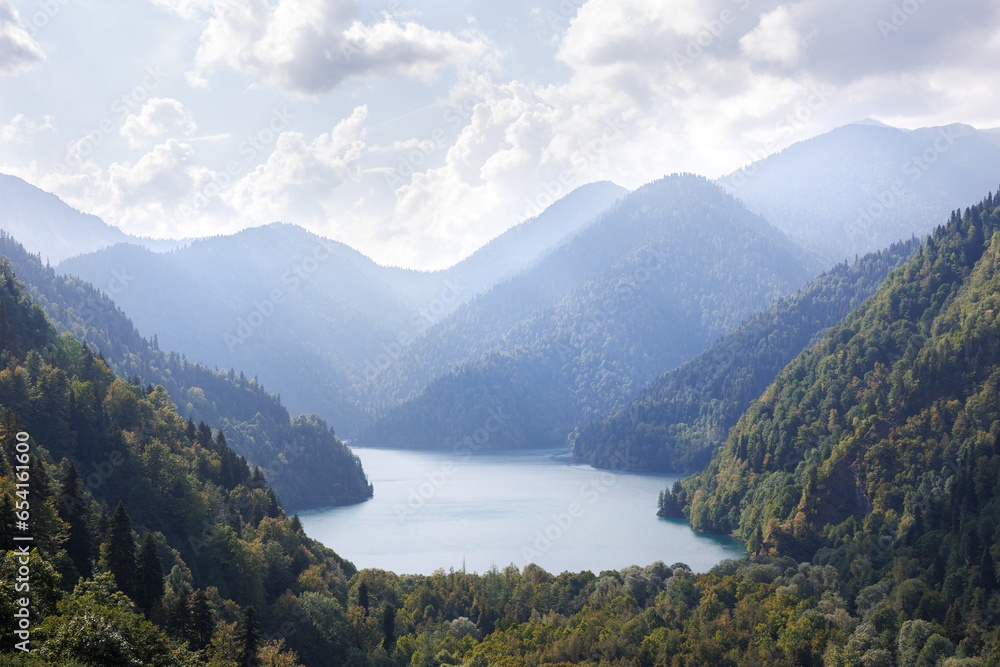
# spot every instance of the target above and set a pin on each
(863, 479)
(678, 420)
(304, 461)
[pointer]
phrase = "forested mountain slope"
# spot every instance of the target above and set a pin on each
(669, 268)
(309, 316)
(681, 418)
(302, 459)
(123, 498)
(889, 424)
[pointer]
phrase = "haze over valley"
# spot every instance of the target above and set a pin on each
(610, 334)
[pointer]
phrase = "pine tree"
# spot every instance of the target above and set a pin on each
(987, 571)
(388, 626)
(363, 597)
(148, 575)
(248, 638)
(73, 510)
(189, 431)
(121, 551)
(204, 435)
(179, 614)
(200, 625)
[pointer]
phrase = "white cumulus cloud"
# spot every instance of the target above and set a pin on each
(21, 129)
(157, 117)
(309, 47)
(299, 179)
(776, 39)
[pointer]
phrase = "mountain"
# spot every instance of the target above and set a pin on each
(889, 422)
(302, 459)
(524, 244)
(681, 418)
(309, 316)
(290, 306)
(149, 543)
(643, 288)
(864, 186)
(46, 225)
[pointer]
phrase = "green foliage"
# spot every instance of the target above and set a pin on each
(119, 551)
(222, 534)
(304, 461)
(678, 421)
(655, 278)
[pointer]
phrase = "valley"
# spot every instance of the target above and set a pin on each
(432, 448)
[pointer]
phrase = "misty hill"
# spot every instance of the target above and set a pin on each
(146, 535)
(650, 283)
(44, 224)
(864, 186)
(285, 304)
(305, 314)
(521, 246)
(679, 420)
(302, 459)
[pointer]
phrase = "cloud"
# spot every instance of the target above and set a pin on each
(21, 129)
(309, 47)
(18, 51)
(776, 39)
(299, 179)
(520, 147)
(157, 117)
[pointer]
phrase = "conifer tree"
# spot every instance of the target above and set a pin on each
(148, 575)
(200, 623)
(248, 638)
(121, 551)
(388, 626)
(73, 510)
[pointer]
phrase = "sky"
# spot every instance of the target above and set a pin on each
(415, 132)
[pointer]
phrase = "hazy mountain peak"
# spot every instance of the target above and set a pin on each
(45, 224)
(871, 122)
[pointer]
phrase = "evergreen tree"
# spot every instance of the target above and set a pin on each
(148, 575)
(205, 435)
(363, 597)
(179, 614)
(120, 550)
(189, 431)
(73, 510)
(388, 626)
(200, 623)
(248, 638)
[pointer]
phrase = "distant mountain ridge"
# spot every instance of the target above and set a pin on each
(678, 421)
(44, 224)
(668, 268)
(310, 316)
(864, 186)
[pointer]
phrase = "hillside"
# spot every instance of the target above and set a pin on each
(304, 462)
(643, 288)
(310, 317)
(46, 225)
(154, 544)
(891, 417)
(863, 186)
(681, 418)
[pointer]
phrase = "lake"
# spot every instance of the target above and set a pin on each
(436, 509)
